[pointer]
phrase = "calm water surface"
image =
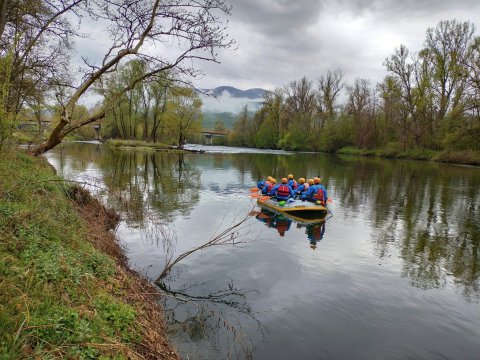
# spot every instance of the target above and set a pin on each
(394, 274)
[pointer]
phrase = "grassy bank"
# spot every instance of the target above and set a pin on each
(454, 157)
(139, 144)
(65, 290)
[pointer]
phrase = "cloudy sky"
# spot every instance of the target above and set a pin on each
(281, 40)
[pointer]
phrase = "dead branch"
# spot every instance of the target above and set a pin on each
(229, 236)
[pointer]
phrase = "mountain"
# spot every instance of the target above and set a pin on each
(255, 93)
(226, 102)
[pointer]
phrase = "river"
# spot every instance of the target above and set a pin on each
(394, 274)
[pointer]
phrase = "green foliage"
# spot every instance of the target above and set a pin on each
(52, 281)
(265, 136)
(7, 120)
(293, 140)
(210, 119)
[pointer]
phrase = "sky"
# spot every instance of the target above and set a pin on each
(278, 41)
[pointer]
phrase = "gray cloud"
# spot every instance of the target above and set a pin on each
(280, 41)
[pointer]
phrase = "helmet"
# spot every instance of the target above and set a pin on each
(317, 180)
(310, 181)
(290, 176)
(269, 178)
(284, 180)
(273, 181)
(301, 180)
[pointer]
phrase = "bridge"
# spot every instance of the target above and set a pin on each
(210, 134)
(32, 126)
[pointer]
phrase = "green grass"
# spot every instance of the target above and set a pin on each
(391, 152)
(59, 296)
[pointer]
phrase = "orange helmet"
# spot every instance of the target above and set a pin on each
(317, 180)
(269, 178)
(301, 180)
(310, 181)
(273, 181)
(284, 180)
(290, 176)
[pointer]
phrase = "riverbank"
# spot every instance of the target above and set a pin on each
(65, 288)
(446, 156)
(145, 145)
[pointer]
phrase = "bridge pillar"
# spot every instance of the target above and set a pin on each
(208, 139)
(97, 131)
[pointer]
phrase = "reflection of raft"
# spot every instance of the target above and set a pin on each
(297, 209)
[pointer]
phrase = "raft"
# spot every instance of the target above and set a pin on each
(296, 209)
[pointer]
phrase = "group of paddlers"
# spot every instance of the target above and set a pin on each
(311, 190)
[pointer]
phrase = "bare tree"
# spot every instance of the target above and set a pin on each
(139, 30)
(329, 86)
(36, 35)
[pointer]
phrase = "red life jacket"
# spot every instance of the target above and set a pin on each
(283, 190)
(282, 226)
(269, 186)
(295, 185)
(319, 196)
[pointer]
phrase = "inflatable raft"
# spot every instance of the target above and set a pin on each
(297, 208)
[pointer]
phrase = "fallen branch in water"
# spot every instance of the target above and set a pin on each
(226, 237)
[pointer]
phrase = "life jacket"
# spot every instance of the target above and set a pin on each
(267, 187)
(319, 196)
(295, 185)
(283, 191)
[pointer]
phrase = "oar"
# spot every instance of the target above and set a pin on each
(254, 189)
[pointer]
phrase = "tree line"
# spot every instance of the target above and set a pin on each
(150, 49)
(429, 99)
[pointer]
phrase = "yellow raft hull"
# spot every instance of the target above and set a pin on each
(296, 209)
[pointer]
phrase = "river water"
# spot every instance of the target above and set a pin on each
(394, 274)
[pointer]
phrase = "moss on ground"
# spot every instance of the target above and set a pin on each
(64, 288)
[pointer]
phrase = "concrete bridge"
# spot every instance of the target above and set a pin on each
(32, 126)
(210, 134)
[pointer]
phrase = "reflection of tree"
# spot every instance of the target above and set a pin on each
(198, 313)
(430, 212)
(152, 184)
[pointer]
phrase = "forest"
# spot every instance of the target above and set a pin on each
(428, 101)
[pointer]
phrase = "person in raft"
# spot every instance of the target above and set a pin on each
(292, 182)
(319, 184)
(316, 193)
(262, 183)
(302, 187)
(268, 186)
(282, 191)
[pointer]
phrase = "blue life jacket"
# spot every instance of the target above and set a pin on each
(292, 183)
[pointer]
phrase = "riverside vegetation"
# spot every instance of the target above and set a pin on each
(426, 107)
(65, 290)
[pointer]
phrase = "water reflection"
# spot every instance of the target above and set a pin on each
(314, 228)
(403, 228)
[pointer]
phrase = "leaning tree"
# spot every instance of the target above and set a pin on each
(167, 35)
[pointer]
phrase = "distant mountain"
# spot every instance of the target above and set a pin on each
(209, 119)
(255, 93)
(226, 102)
